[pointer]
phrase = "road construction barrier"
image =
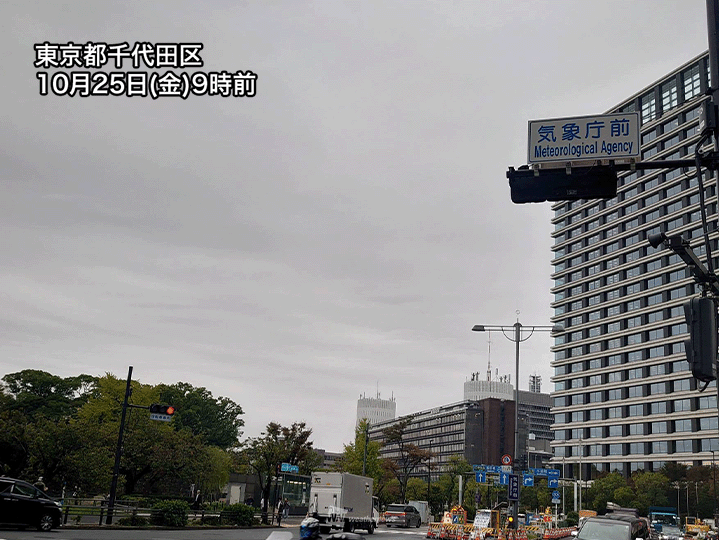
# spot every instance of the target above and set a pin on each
(562, 532)
(449, 531)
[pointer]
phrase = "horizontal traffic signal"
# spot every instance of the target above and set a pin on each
(162, 409)
(527, 185)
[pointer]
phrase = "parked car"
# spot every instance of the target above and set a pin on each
(402, 515)
(23, 505)
(613, 527)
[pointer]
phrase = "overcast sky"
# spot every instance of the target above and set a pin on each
(340, 232)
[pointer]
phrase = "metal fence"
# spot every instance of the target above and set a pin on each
(78, 511)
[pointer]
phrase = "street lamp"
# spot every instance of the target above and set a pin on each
(517, 338)
(429, 458)
(581, 451)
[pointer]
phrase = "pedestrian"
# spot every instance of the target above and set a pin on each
(286, 509)
(280, 510)
(40, 484)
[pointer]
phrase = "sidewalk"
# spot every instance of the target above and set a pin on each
(291, 521)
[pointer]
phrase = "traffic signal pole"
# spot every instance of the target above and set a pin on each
(118, 451)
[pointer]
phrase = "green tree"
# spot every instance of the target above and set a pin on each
(650, 490)
(276, 445)
(409, 456)
(417, 489)
(624, 496)
(217, 420)
(602, 491)
(449, 485)
(351, 460)
(38, 393)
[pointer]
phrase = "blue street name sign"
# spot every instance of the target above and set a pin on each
(553, 473)
(514, 487)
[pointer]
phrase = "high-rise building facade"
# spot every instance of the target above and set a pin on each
(375, 409)
(624, 397)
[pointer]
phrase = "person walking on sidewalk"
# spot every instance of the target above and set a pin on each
(281, 510)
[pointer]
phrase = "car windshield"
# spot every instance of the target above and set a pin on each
(396, 508)
(604, 530)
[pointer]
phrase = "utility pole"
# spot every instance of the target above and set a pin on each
(118, 451)
(367, 438)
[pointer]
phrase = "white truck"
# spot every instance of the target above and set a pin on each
(343, 501)
(423, 508)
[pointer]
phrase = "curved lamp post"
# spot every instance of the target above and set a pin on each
(517, 338)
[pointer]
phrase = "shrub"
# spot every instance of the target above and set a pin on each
(572, 518)
(134, 521)
(238, 514)
(170, 513)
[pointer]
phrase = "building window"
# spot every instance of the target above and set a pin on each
(680, 405)
(658, 369)
(691, 82)
(709, 445)
(614, 394)
(683, 425)
(615, 431)
(657, 388)
(709, 424)
(683, 446)
(660, 447)
(635, 410)
(669, 95)
(659, 407)
(658, 427)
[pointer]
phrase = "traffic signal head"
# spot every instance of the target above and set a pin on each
(511, 522)
(527, 185)
(702, 346)
(162, 409)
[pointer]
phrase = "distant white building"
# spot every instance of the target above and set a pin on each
(477, 389)
(375, 409)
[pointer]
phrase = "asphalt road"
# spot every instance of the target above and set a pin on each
(283, 533)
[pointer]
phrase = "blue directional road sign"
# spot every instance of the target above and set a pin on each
(480, 477)
(553, 482)
(503, 480)
(514, 487)
(553, 473)
(493, 468)
(528, 480)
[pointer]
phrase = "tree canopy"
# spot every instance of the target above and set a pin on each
(66, 429)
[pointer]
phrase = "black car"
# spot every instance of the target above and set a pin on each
(613, 527)
(23, 505)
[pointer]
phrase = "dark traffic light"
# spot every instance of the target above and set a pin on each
(702, 346)
(162, 409)
(527, 185)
